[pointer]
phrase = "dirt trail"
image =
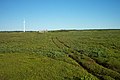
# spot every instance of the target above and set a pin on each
(86, 62)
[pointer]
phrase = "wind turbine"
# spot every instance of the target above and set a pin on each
(24, 25)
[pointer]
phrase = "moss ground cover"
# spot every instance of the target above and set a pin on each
(60, 55)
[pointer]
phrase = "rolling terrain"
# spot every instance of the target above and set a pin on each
(60, 55)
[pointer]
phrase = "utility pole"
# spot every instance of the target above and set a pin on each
(24, 25)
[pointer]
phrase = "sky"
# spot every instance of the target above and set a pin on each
(59, 14)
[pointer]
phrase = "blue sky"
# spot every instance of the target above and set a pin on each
(59, 14)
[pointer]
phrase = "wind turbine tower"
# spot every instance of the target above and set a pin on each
(24, 25)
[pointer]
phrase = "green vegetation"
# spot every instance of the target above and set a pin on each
(60, 55)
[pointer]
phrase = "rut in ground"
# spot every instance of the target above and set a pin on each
(89, 64)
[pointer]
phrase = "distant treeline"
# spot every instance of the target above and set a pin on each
(65, 30)
(82, 30)
(62, 30)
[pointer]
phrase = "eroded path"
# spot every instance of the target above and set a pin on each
(89, 64)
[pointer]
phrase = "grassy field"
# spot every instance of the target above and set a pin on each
(60, 55)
